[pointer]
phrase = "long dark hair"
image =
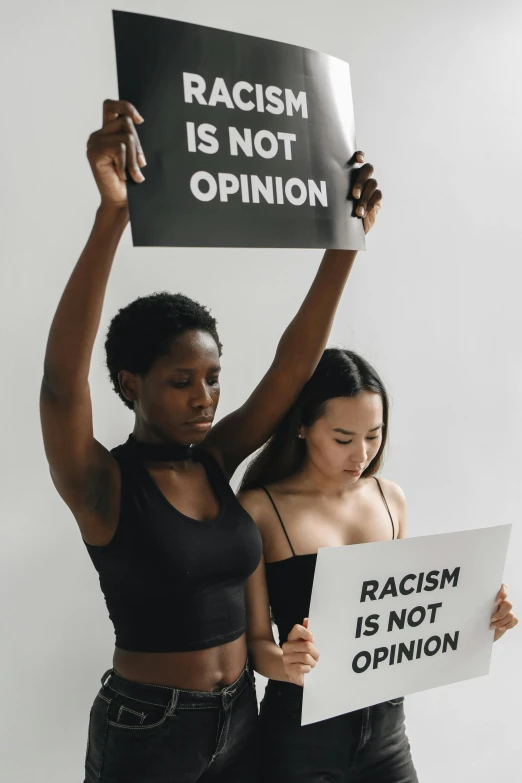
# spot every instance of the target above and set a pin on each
(340, 373)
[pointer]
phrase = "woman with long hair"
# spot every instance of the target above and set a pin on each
(172, 545)
(314, 484)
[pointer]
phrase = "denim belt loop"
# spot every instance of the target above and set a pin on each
(106, 677)
(227, 696)
(173, 702)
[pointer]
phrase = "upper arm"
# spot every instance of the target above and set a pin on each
(246, 429)
(259, 624)
(84, 473)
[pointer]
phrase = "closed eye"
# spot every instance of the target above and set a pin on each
(345, 442)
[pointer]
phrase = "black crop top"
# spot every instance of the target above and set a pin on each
(290, 582)
(172, 583)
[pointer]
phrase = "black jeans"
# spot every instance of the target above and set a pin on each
(365, 746)
(142, 733)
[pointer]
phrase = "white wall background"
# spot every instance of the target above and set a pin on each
(434, 304)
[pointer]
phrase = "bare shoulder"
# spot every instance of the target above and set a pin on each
(393, 491)
(396, 499)
(254, 501)
(257, 503)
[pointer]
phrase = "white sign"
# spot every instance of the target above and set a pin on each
(397, 617)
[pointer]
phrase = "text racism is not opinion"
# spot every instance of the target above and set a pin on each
(248, 188)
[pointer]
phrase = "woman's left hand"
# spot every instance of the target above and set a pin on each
(503, 619)
(366, 193)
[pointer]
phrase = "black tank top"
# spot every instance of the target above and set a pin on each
(290, 582)
(172, 583)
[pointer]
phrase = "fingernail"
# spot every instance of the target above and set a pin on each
(141, 159)
(360, 211)
(357, 193)
(141, 178)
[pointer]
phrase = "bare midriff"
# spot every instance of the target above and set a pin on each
(201, 670)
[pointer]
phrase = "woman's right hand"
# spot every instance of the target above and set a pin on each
(115, 149)
(299, 653)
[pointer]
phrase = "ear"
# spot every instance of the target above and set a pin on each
(128, 385)
(301, 432)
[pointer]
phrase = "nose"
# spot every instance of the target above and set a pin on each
(359, 454)
(202, 398)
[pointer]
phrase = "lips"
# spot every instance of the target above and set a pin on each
(202, 423)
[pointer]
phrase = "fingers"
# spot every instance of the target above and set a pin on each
(300, 632)
(500, 631)
(362, 176)
(113, 109)
(374, 202)
(120, 117)
(300, 648)
(364, 188)
(504, 618)
(501, 595)
(300, 655)
(125, 125)
(357, 157)
(367, 195)
(502, 611)
(299, 660)
(509, 622)
(116, 133)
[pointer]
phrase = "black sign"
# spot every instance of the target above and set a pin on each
(248, 141)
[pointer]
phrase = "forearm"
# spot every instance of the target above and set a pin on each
(77, 318)
(267, 659)
(304, 340)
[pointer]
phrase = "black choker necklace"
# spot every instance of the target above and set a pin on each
(159, 452)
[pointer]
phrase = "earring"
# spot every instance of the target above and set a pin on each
(300, 435)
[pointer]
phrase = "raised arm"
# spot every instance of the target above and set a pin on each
(242, 432)
(83, 471)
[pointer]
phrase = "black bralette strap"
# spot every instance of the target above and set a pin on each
(386, 504)
(279, 517)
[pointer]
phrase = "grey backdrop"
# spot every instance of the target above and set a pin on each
(434, 304)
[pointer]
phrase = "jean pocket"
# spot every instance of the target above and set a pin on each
(125, 712)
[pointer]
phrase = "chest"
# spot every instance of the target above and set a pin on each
(187, 534)
(311, 524)
(189, 493)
